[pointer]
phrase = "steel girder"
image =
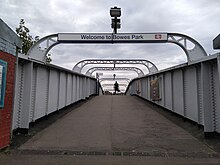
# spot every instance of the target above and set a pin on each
(40, 49)
(135, 69)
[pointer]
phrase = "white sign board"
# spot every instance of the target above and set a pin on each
(112, 38)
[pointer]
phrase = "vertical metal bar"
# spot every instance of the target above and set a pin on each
(26, 108)
(78, 88)
(198, 82)
(218, 95)
(172, 93)
(58, 93)
(115, 27)
(185, 43)
(213, 97)
(66, 90)
(33, 95)
(184, 94)
(47, 95)
(162, 86)
(71, 94)
(15, 91)
(19, 93)
(73, 88)
(48, 43)
(206, 97)
(218, 63)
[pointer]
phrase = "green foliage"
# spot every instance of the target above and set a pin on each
(23, 33)
(27, 40)
(49, 59)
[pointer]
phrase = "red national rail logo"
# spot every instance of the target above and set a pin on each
(158, 36)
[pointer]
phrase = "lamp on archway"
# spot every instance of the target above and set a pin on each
(115, 13)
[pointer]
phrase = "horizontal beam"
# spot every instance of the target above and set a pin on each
(112, 38)
(81, 64)
(135, 69)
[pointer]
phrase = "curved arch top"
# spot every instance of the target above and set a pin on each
(80, 65)
(135, 69)
(40, 49)
(194, 51)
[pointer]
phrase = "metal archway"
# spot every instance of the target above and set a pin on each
(149, 65)
(40, 49)
(135, 69)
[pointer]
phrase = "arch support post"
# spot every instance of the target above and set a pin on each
(194, 51)
(40, 49)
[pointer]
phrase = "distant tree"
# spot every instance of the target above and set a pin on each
(27, 40)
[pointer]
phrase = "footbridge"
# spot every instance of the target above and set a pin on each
(163, 115)
(190, 89)
(53, 115)
(136, 122)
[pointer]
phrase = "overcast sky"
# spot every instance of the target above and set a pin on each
(197, 18)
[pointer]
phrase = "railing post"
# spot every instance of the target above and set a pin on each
(27, 96)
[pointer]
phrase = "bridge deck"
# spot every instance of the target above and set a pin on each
(116, 124)
(112, 125)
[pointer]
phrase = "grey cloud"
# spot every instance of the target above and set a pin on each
(198, 19)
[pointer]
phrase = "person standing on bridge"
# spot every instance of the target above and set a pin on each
(116, 87)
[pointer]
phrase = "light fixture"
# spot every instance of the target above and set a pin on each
(115, 12)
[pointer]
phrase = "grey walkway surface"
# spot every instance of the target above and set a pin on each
(113, 125)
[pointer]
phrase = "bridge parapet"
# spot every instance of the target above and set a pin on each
(43, 89)
(192, 91)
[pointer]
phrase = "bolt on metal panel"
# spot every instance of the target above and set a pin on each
(191, 94)
(18, 97)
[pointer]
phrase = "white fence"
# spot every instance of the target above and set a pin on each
(42, 89)
(192, 91)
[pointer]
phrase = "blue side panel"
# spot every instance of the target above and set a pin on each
(3, 72)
